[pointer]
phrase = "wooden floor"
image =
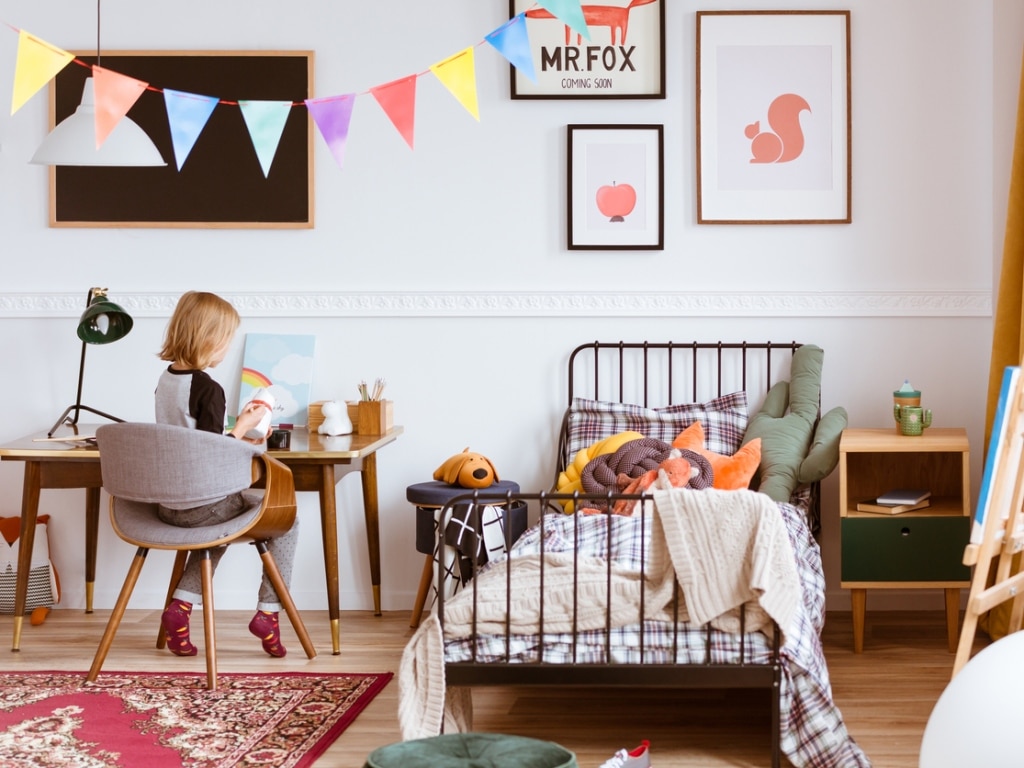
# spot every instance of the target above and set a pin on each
(885, 694)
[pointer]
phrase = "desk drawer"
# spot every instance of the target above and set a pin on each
(904, 549)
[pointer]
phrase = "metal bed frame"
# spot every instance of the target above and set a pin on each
(640, 373)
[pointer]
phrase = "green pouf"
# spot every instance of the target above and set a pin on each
(472, 750)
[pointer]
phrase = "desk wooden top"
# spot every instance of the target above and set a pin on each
(305, 446)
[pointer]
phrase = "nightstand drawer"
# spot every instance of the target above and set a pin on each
(904, 549)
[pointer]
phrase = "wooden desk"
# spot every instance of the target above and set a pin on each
(317, 463)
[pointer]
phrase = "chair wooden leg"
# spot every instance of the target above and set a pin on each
(208, 628)
(270, 567)
(117, 614)
(176, 571)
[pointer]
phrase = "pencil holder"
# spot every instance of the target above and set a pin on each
(374, 417)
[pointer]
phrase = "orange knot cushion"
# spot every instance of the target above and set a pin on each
(731, 473)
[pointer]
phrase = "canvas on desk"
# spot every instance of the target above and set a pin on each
(284, 364)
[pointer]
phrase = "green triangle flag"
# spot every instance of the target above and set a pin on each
(568, 11)
(265, 121)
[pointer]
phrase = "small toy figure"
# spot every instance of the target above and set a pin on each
(336, 420)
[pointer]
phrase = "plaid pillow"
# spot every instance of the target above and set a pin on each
(724, 420)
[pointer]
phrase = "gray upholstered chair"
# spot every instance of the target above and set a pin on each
(144, 465)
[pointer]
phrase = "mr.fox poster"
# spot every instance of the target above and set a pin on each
(623, 57)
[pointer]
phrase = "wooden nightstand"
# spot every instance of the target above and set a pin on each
(922, 549)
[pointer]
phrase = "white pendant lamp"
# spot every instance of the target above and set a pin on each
(73, 141)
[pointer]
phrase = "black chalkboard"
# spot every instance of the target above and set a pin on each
(221, 184)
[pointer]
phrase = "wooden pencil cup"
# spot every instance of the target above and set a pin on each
(374, 417)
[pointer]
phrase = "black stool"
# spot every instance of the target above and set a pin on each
(430, 498)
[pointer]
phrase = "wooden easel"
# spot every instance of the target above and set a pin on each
(1001, 534)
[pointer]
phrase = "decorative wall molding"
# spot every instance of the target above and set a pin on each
(537, 304)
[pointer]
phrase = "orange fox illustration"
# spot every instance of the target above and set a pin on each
(785, 142)
(616, 18)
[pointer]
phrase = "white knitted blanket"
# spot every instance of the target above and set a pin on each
(724, 549)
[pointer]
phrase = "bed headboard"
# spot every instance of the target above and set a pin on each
(660, 374)
(656, 374)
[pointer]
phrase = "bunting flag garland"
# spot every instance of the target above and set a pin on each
(458, 74)
(187, 115)
(512, 41)
(398, 100)
(265, 120)
(332, 116)
(38, 62)
(115, 94)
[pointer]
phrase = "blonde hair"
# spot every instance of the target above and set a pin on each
(201, 324)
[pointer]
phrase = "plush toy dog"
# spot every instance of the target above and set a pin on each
(470, 470)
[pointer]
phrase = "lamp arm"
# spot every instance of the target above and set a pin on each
(78, 407)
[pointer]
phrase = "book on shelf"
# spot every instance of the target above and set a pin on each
(890, 509)
(904, 496)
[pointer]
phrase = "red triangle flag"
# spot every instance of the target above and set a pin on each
(398, 100)
(115, 95)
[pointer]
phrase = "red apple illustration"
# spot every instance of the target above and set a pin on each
(616, 201)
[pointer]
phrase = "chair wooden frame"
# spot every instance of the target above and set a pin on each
(275, 518)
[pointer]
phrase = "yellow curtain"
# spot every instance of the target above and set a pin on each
(1008, 328)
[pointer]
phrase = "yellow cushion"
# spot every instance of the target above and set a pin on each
(731, 473)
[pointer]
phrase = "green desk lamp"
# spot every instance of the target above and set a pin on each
(102, 322)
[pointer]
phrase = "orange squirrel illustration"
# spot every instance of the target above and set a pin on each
(786, 141)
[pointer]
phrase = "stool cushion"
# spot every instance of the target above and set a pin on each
(437, 494)
(472, 750)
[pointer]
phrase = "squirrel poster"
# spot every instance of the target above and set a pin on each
(785, 140)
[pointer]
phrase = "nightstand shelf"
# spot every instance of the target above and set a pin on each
(921, 549)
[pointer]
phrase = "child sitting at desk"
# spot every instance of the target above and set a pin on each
(198, 336)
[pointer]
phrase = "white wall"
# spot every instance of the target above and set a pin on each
(445, 271)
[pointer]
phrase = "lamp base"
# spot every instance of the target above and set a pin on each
(64, 420)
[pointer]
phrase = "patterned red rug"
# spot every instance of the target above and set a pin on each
(135, 719)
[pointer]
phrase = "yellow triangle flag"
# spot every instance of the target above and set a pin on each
(458, 74)
(37, 64)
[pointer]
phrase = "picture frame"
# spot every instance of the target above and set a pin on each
(616, 187)
(624, 58)
(221, 185)
(773, 148)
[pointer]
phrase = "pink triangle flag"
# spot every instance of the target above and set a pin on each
(265, 121)
(458, 74)
(115, 95)
(332, 116)
(187, 114)
(513, 42)
(398, 100)
(568, 11)
(37, 64)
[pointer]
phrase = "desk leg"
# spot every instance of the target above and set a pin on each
(29, 513)
(92, 530)
(371, 511)
(329, 530)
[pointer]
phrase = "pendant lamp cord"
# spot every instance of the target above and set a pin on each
(98, 59)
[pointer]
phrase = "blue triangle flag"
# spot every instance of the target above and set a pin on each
(513, 42)
(187, 114)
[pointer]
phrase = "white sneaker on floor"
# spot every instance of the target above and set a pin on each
(640, 757)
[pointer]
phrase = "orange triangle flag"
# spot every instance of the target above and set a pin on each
(37, 64)
(115, 95)
(458, 74)
(398, 100)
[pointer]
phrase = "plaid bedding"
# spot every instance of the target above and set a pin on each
(813, 732)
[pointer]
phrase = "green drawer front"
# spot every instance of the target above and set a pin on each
(905, 549)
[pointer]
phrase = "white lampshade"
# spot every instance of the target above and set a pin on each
(977, 719)
(73, 142)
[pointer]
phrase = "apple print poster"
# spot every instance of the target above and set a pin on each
(615, 197)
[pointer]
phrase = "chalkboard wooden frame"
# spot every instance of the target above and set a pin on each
(221, 184)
